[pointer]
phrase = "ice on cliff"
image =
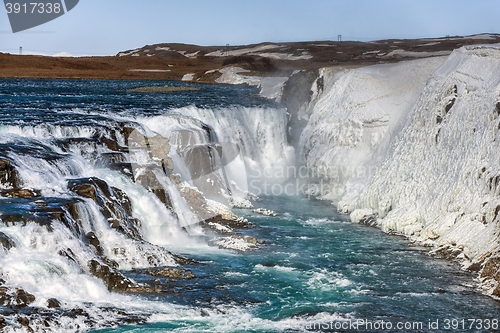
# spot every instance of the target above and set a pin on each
(414, 148)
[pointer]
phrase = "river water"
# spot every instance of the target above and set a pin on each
(314, 271)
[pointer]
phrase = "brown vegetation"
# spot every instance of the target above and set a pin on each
(172, 61)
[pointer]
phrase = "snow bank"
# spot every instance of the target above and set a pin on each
(415, 150)
(270, 87)
(239, 52)
(414, 54)
(234, 75)
(188, 77)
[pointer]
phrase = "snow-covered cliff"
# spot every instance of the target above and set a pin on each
(414, 149)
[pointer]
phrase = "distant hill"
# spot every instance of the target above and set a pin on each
(202, 63)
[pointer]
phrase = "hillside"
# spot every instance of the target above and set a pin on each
(173, 61)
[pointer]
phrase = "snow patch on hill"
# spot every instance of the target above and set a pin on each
(270, 87)
(239, 52)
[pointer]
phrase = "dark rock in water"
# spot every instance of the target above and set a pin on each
(6, 242)
(124, 168)
(8, 174)
(475, 267)
(268, 264)
(23, 321)
(53, 303)
(370, 220)
(44, 220)
(68, 253)
(173, 273)
(441, 291)
(491, 270)
(23, 298)
(84, 190)
(94, 241)
(112, 144)
(20, 193)
(117, 161)
(239, 223)
(113, 279)
(113, 203)
(15, 298)
(446, 252)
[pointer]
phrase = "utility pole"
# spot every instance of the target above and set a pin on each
(20, 50)
(227, 50)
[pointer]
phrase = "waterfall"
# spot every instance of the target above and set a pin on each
(84, 200)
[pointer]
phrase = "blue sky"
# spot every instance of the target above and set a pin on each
(103, 27)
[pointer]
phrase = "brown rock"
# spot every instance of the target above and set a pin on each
(53, 303)
(23, 298)
(113, 203)
(113, 279)
(8, 174)
(23, 321)
(173, 273)
(6, 242)
(85, 190)
(20, 193)
(94, 241)
(491, 269)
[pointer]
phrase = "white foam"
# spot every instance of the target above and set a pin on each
(325, 280)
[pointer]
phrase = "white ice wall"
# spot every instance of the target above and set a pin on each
(354, 116)
(425, 145)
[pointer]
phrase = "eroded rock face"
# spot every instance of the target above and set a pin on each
(20, 193)
(15, 298)
(53, 303)
(6, 242)
(114, 280)
(10, 184)
(8, 175)
(173, 273)
(113, 203)
(491, 270)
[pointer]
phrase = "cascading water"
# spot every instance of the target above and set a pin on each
(90, 191)
(106, 195)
